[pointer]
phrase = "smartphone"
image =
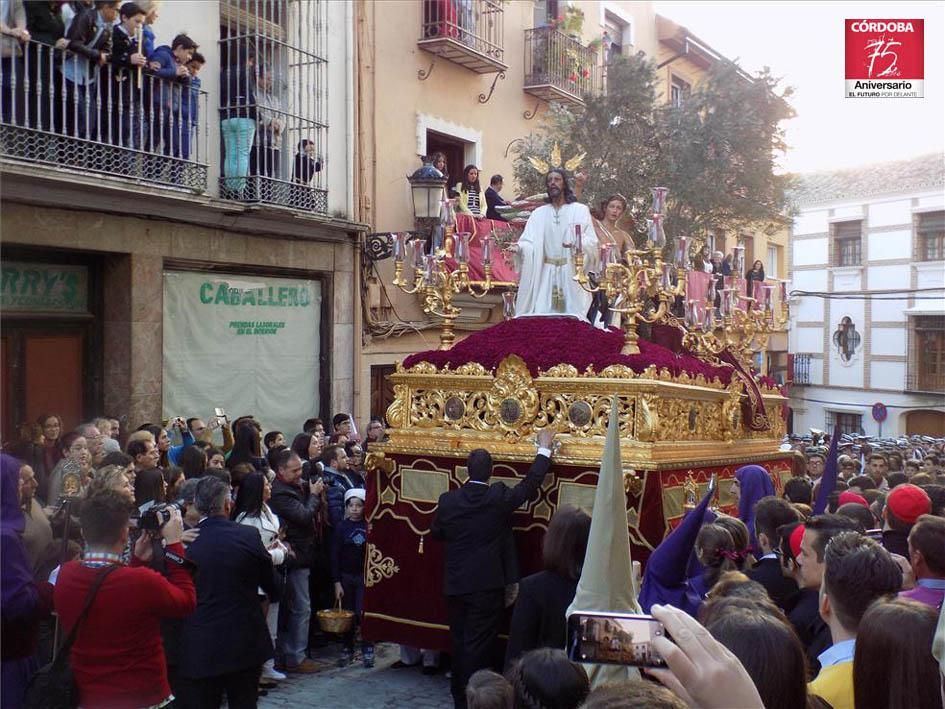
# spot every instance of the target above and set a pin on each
(219, 413)
(614, 639)
(875, 534)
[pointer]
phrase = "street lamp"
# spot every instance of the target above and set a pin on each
(426, 190)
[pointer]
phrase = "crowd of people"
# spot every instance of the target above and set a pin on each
(148, 543)
(202, 522)
(92, 69)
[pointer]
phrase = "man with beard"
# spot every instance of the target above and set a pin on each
(543, 254)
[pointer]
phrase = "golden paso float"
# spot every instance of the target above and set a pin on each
(679, 367)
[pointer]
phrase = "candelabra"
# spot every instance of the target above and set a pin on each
(742, 325)
(429, 275)
(641, 287)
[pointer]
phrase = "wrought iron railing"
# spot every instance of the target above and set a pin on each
(478, 24)
(274, 103)
(553, 58)
(925, 383)
(801, 373)
(61, 110)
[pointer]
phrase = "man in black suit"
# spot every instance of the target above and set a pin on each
(225, 642)
(473, 521)
(493, 199)
(771, 513)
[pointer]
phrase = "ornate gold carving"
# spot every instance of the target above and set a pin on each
(374, 462)
(379, 567)
(632, 484)
(398, 413)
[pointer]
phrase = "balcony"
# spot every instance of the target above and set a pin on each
(925, 383)
(801, 369)
(61, 112)
(467, 32)
(559, 68)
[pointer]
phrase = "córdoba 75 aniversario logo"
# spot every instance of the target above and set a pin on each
(885, 59)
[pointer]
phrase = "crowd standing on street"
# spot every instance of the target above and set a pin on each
(189, 557)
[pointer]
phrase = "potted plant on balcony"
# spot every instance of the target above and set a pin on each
(571, 22)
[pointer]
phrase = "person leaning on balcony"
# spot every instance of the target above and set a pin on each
(127, 59)
(173, 91)
(470, 193)
(90, 42)
(13, 35)
(238, 118)
(757, 273)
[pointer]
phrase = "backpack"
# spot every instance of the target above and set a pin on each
(53, 686)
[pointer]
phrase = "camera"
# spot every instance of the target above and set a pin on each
(155, 517)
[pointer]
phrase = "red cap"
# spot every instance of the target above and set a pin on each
(795, 540)
(850, 496)
(908, 502)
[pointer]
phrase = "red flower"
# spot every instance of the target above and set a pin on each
(573, 77)
(543, 342)
(585, 73)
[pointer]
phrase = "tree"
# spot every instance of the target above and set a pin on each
(716, 152)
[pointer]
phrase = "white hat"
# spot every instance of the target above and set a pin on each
(355, 492)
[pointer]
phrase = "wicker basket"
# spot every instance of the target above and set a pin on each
(335, 620)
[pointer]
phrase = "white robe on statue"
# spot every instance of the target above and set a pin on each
(547, 285)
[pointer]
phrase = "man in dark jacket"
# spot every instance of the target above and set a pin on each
(127, 60)
(90, 44)
(771, 513)
(493, 199)
(473, 521)
(295, 502)
(338, 480)
(224, 643)
(171, 88)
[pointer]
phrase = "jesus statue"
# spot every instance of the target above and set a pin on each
(543, 254)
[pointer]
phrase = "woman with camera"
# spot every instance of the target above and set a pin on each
(252, 509)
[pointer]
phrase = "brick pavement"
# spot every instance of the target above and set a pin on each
(358, 688)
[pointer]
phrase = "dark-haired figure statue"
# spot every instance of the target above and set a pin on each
(473, 522)
(543, 254)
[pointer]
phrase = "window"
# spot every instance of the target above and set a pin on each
(614, 29)
(274, 87)
(840, 423)
(771, 270)
(846, 339)
(847, 242)
(801, 364)
(678, 91)
(931, 236)
(927, 360)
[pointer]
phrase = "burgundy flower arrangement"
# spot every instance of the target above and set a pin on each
(543, 342)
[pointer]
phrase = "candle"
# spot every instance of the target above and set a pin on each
(660, 239)
(508, 304)
(578, 239)
(439, 237)
(462, 247)
(682, 252)
(784, 293)
(659, 199)
(400, 242)
(428, 262)
(667, 276)
(605, 250)
(727, 302)
(651, 230)
(487, 242)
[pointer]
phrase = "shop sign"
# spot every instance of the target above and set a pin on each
(43, 287)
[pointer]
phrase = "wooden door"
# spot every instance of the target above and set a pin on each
(382, 391)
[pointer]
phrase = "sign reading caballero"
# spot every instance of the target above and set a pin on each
(44, 288)
(273, 296)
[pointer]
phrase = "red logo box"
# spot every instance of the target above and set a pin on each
(885, 58)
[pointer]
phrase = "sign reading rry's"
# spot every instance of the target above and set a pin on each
(43, 287)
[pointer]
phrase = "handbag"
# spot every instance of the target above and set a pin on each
(53, 686)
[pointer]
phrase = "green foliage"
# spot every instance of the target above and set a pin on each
(716, 153)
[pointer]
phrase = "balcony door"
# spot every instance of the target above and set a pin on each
(455, 151)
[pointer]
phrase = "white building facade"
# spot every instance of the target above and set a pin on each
(868, 307)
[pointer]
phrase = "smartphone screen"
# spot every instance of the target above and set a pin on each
(614, 639)
(218, 412)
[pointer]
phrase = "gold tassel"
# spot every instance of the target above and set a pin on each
(420, 548)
